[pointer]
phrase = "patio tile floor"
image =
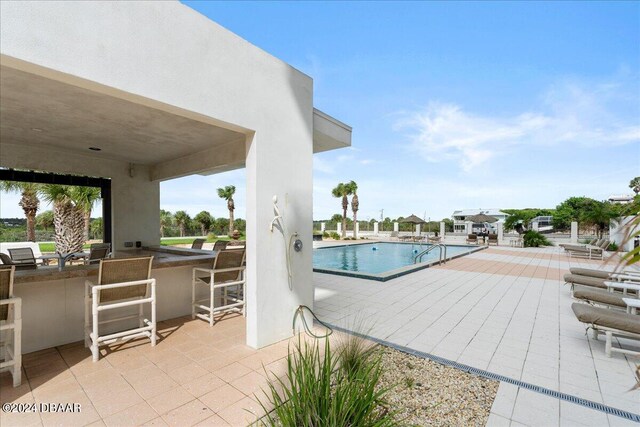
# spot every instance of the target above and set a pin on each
(504, 310)
(194, 375)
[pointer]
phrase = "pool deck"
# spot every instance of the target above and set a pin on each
(504, 310)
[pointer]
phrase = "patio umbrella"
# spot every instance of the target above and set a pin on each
(412, 219)
(481, 218)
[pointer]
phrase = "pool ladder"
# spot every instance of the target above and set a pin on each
(443, 253)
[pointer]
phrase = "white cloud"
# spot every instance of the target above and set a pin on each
(569, 113)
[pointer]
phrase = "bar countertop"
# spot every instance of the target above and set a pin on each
(163, 257)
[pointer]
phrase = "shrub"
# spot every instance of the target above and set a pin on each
(533, 239)
(613, 246)
(321, 388)
(326, 235)
(335, 236)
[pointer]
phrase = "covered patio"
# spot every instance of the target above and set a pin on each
(150, 92)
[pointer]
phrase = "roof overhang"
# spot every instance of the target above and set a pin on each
(329, 133)
(48, 109)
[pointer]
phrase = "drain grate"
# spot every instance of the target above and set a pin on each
(486, 374)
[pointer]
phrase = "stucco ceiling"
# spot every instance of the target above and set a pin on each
(37, 111)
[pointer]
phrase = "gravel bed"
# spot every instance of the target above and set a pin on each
(426, 393)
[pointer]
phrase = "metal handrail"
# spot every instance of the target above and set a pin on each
(441, 259)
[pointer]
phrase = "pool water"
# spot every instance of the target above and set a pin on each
(377, 258)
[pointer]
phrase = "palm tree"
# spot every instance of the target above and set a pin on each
(86, 198)
(227, 194)
(166, 220)
(28, 202)
(598, 215)
(45, 220)
(635, 184)
(342, 190)
(68, 216)
(355, 204)
(204, 219)
(182, 219)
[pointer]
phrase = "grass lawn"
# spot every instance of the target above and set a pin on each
(171, 241)
(51, 247)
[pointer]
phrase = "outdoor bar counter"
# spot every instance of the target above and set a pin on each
(53, 300)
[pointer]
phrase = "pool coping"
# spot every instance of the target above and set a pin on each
(395, 273)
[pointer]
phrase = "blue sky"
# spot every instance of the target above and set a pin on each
(453, 105)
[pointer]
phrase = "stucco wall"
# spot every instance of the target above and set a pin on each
(165, 55)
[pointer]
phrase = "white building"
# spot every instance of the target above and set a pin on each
(622, 199)
(135, 93)
(460, 217)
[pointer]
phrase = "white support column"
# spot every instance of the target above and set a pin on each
(273, 297)
(357, 228)
(534, 225)
(339, 228)
(468, 227)
(500, 227)
(442, 229)
(395, 227)
(322, 226)
(375, 228)
(417, 229)
(574, 232)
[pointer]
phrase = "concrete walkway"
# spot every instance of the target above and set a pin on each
(504, 310)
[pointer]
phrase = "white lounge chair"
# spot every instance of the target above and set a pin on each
(610, 323)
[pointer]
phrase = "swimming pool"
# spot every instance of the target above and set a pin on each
(379, 261)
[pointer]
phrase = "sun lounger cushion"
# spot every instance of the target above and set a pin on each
(607, 318)
(591, 272)
(599, 296)
(578, 279)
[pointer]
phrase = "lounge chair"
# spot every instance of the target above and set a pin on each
(435, 239)
(591, 242)
(227, 277)
(600, 274)
(493, 239)
(22, 258)
(121, 283)
(197, 244)
(472, 238)
(98, 251)
(609, 322)
(11, 321)
(629, 274)
(590, 252)
(394, 235)
(578, 279)
(595, 296)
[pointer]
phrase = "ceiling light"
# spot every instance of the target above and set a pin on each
(36, 129)
(95, 149)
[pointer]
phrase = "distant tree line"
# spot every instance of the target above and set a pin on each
(179, 224)
(590, 214)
